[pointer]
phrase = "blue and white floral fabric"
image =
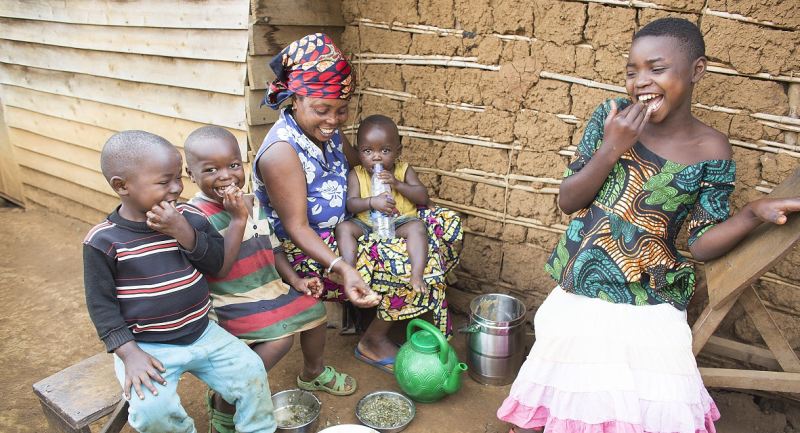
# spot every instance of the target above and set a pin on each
(326, 175)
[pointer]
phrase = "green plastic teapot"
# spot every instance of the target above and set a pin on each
(426, 367)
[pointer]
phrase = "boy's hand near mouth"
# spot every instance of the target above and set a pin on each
(164, 218)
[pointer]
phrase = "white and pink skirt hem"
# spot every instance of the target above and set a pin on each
(599, 367)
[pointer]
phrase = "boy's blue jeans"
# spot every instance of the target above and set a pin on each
(220, 360)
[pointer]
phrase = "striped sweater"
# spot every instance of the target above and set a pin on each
(252, 302)
(142, 285)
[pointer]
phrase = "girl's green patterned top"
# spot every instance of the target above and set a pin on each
(621, 248)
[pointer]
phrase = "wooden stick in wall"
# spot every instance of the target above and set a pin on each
(499, 217)
(510, 176)
(416, 56)
(776, 144)
(717, 108)
(456, 139)
(722, 69)
(487, 181)
(781, 126)
(782, 119)
(744, 19)
(794, 112)
(412, 28)
(582, 81)
(768, 148)
(424, 62)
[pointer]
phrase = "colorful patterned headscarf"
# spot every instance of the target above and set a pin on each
(312, 66)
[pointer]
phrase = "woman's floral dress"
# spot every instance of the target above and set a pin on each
(383, 264)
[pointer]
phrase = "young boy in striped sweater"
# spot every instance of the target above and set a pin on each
(148, 299)
(256, 295)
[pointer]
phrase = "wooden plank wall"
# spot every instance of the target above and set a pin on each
(72, 76)
(10, 177)
(274, 25)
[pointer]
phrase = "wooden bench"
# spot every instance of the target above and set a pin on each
(729, 280)
(81, 394)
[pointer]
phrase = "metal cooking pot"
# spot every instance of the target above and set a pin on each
(495, 338)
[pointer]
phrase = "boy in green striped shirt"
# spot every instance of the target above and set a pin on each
(249, 295)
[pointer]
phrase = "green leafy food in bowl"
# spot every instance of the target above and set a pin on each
(384, 411)
(293, 415)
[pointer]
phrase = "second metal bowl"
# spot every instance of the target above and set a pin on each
(391, 394)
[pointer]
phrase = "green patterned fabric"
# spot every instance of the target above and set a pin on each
(622, 247)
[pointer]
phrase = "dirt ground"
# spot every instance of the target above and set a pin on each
(45, 328)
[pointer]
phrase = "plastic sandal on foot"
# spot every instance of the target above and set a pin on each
(220, 421)
(320, 383)
(385, 364)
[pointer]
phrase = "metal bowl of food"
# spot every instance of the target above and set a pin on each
(348, 428)
(385, 411)
(296, 411)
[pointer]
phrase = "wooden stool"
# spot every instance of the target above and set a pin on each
(80, 394)
(729, 279)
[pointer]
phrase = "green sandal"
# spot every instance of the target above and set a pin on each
(320, 383)
(221, 422)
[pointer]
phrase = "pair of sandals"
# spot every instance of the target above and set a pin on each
(223, 422)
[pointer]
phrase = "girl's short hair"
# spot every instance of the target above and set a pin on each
(686, 32)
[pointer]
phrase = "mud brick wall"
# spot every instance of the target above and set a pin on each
(492, 96)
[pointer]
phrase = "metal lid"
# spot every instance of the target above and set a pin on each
(497, 310)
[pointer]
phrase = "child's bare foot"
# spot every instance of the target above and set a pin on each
(418, 284)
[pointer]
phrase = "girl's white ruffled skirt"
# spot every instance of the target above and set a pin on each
(599, 367)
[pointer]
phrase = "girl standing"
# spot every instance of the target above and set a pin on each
(614, 351)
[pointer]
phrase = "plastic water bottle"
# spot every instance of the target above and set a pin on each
(382, 224)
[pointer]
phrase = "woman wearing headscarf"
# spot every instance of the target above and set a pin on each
(300, 178)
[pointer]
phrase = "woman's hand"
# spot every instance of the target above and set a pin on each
(622, 129)
(774, 210)
(355, 288)
(310, 286)
(284, 177)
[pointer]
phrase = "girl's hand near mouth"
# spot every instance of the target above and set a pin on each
(622, 129)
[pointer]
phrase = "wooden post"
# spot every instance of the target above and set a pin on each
(775, 381)
(57, 424)
(708, 322)
(118, 418)
(729, 280)
(794, 111)
(769, 330)
(729, 275)
(10, 174)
